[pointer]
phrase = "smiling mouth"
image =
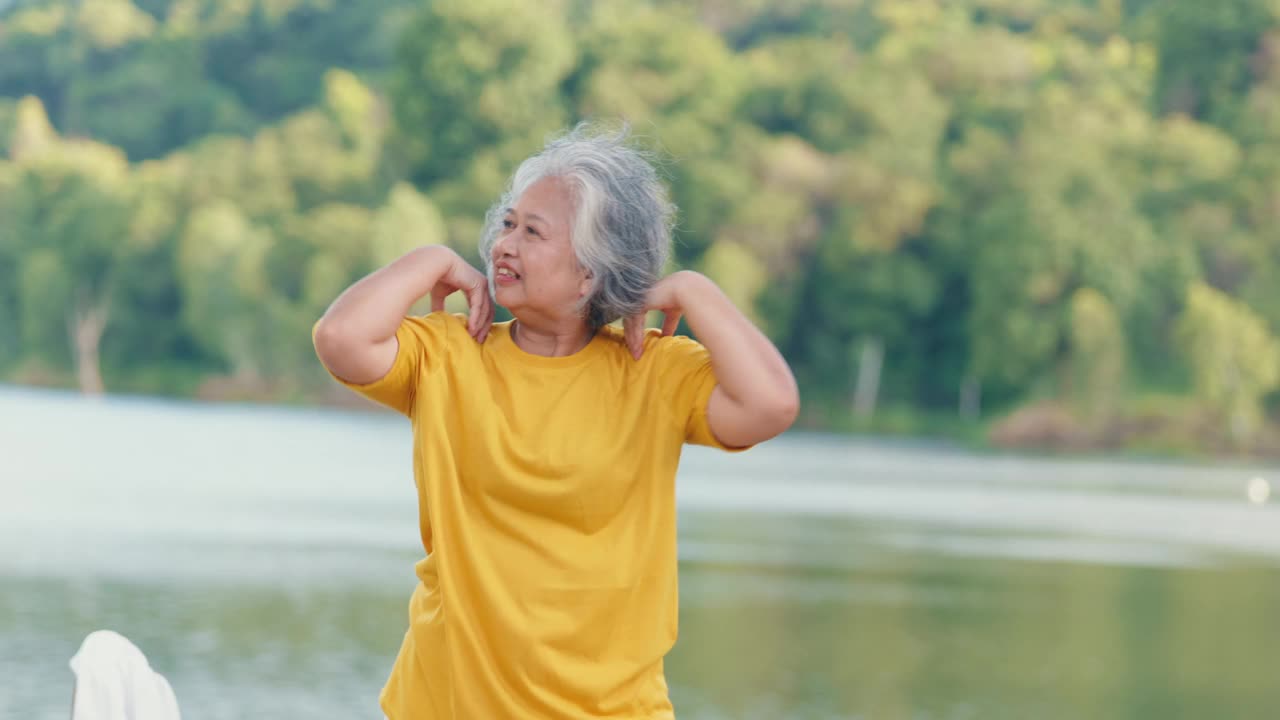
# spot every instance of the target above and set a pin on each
(506, 274)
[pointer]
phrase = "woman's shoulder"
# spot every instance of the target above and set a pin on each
(433, 333)
(442, 325)
(440, 318)
(659, 349)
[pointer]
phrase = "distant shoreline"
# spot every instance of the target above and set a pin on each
(1023, 432)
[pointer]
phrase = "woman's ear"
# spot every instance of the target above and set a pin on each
(585, 285)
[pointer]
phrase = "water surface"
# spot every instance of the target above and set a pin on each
(263, 559)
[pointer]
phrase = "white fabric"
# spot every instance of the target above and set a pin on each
(115, 682)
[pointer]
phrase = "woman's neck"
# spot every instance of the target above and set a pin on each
(551, 339)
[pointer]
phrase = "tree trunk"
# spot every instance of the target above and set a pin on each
(88, 321)
(868, 383)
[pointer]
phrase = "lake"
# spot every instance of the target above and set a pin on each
(263, 559)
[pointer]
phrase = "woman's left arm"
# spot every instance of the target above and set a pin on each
(755, 397)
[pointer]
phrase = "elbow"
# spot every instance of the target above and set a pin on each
(328, 338)
(779, 413)
(785, 410)
(322, 334)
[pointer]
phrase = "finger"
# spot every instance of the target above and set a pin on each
(486, 318)
(476, 301)
(627, 322)
(487, 322)
(473, 316)
(670, 321)
(628, 333)
(633, 331)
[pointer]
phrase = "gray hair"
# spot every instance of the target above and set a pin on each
(622, 218)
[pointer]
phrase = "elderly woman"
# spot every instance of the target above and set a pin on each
(545, 448)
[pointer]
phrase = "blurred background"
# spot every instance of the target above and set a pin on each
(1023, 255)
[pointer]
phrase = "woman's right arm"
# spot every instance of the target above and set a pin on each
(356, 337)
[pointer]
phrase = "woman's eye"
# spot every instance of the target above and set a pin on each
(508, 224)
(533, 232)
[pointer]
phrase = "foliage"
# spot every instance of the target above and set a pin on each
(1013, 198)
(1234, 358)
(1097, 355)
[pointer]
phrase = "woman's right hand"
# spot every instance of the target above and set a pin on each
(460, 276)
(356, 337)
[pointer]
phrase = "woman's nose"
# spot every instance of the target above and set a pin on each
(503, 247)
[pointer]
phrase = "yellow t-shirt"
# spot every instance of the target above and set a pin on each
(546, 501)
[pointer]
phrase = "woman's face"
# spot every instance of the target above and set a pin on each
(534, 266)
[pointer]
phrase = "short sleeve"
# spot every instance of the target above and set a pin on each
(422, 341)
(686, 380)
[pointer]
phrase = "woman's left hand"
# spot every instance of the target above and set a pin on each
(755, 396)
(666, 296)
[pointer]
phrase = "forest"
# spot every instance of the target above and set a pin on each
(1029, 223)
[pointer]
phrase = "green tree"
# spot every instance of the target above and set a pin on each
(67, 218)
(1205, 52)
(1070, 218)
(407, 220)
(1234, 359)
(1097, 356)
(677, 84)
(478, 78)
(870, 283)
(153, 75)
(227, 301)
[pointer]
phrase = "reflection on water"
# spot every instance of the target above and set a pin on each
(263, 560)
